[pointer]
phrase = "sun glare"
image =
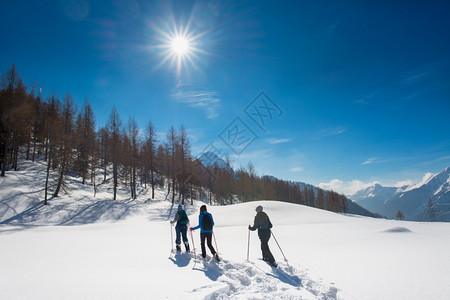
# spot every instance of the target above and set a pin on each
(180, 45)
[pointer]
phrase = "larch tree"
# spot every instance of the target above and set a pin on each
(114, 126)
(52, 134)
(132, 132)
(150, 154)
(172, 141)
(66, 146)
(13, 111)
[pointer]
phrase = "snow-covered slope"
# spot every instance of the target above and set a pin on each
(428, 200)
(76, 248)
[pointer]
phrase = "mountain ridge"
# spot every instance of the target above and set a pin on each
(428, 200)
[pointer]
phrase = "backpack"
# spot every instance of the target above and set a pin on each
(207, 222)
(183, 217)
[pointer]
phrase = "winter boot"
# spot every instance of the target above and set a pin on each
(273, 264)
(187, 247)
(216, 256)
(178, 248)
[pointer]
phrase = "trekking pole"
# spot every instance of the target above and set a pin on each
(279, 246)
(171, 234)
(248, 246)
(193, 245)
(215, 242)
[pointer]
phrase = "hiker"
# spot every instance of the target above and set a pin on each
(206, 224)
(263, 224)
(182, 221)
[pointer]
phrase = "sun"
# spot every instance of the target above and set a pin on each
(180, 45)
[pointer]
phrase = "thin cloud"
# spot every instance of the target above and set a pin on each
(296, 169)
(374, 160)
(369, 161)
(207, 100)
(347, 188)
(327, 132)
(278, 141)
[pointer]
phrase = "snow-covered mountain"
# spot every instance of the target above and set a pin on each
(426, 201)
(374, 196)
(210, 159)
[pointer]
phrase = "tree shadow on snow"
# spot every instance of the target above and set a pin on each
(69, 213)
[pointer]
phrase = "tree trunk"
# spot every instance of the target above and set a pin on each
(61, 177)
(46, 178)
(4, 159)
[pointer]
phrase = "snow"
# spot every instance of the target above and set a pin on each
(81, 247)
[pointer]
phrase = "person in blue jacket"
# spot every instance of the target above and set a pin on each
(206, 224)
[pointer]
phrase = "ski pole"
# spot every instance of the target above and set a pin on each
(279, 246)
(193, 245)
(248, 246)
(215, 242)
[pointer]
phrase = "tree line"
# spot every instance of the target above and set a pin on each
(66, 139)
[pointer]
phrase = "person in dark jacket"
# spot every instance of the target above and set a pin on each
(263, 224)
(206, 224)
(182, 221)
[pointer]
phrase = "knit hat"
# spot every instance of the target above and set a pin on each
(203, 208)
(259, 208)
(180, 207)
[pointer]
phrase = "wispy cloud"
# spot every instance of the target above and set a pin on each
(198, 97)
(327, 132)
(278, 141)
(296, 169)
(347, 188)
(375, 160)
(369, 161)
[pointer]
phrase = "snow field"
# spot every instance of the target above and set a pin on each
(81, 247)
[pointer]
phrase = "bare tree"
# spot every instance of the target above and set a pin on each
(150, 153)
(133, 154)
(14, 111)
(172, 141)
(65, 149)
(52, 136)
(114, 125)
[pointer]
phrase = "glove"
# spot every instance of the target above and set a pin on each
(249, 227)
(191, 229)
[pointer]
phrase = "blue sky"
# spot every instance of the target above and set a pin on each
(336, 93)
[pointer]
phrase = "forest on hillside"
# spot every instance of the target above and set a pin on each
(69, 141)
